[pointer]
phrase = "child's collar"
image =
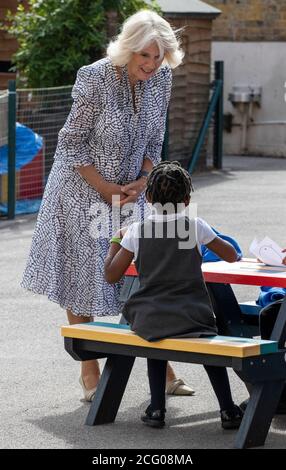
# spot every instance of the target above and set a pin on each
(157, 214)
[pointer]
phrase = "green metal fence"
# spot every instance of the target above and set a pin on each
(3, 117)
(11, 148)
(42, 111)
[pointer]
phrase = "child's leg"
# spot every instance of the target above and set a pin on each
(157, 382)
(155, 413)
(231, 415)
(220, 383)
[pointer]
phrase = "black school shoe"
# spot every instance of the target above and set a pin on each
(231, 419)
(154, 418)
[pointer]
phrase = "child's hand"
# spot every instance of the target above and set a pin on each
(283, 260)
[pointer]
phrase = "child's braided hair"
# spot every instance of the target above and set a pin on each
(168, 182)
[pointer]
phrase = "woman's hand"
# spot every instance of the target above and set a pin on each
(105, 188)
(127, 193)
(108, 190)
(133, 190)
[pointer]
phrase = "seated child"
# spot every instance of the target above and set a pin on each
(172, 300)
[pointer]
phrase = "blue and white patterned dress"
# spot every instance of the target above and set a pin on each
(66, 263)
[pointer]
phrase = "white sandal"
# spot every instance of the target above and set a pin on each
(178, 387)
(88, 394)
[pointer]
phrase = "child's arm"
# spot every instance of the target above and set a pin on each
(223, 249)
(117, 261)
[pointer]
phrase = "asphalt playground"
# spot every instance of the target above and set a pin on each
(40, 400)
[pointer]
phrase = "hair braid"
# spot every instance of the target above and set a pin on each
(168, 182)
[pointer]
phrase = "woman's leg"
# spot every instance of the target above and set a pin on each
(90, 371)
(170, 373)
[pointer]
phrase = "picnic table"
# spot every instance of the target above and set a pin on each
(259, 363)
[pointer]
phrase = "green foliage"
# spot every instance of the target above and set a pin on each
(56, 37)
(126, 8)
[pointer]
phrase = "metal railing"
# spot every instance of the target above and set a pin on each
(215, 109)
(11, 149)
(42, 113)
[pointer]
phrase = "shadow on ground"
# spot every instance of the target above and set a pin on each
(201, 430)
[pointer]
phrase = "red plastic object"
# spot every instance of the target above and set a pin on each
(31, 178)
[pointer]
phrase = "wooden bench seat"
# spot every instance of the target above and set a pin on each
(258, 362)
(216, 345)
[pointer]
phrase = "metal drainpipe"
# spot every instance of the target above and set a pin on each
(244, 110)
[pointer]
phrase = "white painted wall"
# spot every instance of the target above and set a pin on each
(263, 64)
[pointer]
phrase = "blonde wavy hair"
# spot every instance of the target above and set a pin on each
(138, 32)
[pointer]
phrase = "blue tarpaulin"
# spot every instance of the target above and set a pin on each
(24, 206)
(28, 144)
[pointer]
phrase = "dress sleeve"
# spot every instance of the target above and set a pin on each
(73, 149)
(154, 146)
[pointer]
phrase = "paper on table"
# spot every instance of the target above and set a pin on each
(267, 251)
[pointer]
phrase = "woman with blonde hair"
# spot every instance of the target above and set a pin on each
(111, 140)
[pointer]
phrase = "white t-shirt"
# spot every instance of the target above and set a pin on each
(130, 241)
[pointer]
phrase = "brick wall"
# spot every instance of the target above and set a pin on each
(250, 20)
(8, 45)
(190, 92)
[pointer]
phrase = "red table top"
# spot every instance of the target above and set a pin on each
(247, 271)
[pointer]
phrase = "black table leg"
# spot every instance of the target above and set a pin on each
(260, 410)
(279, 330)
(110, 390)
(227, 311)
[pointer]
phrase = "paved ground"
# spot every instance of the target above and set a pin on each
(40, 400)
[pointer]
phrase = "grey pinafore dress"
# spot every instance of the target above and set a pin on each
(172, 300)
